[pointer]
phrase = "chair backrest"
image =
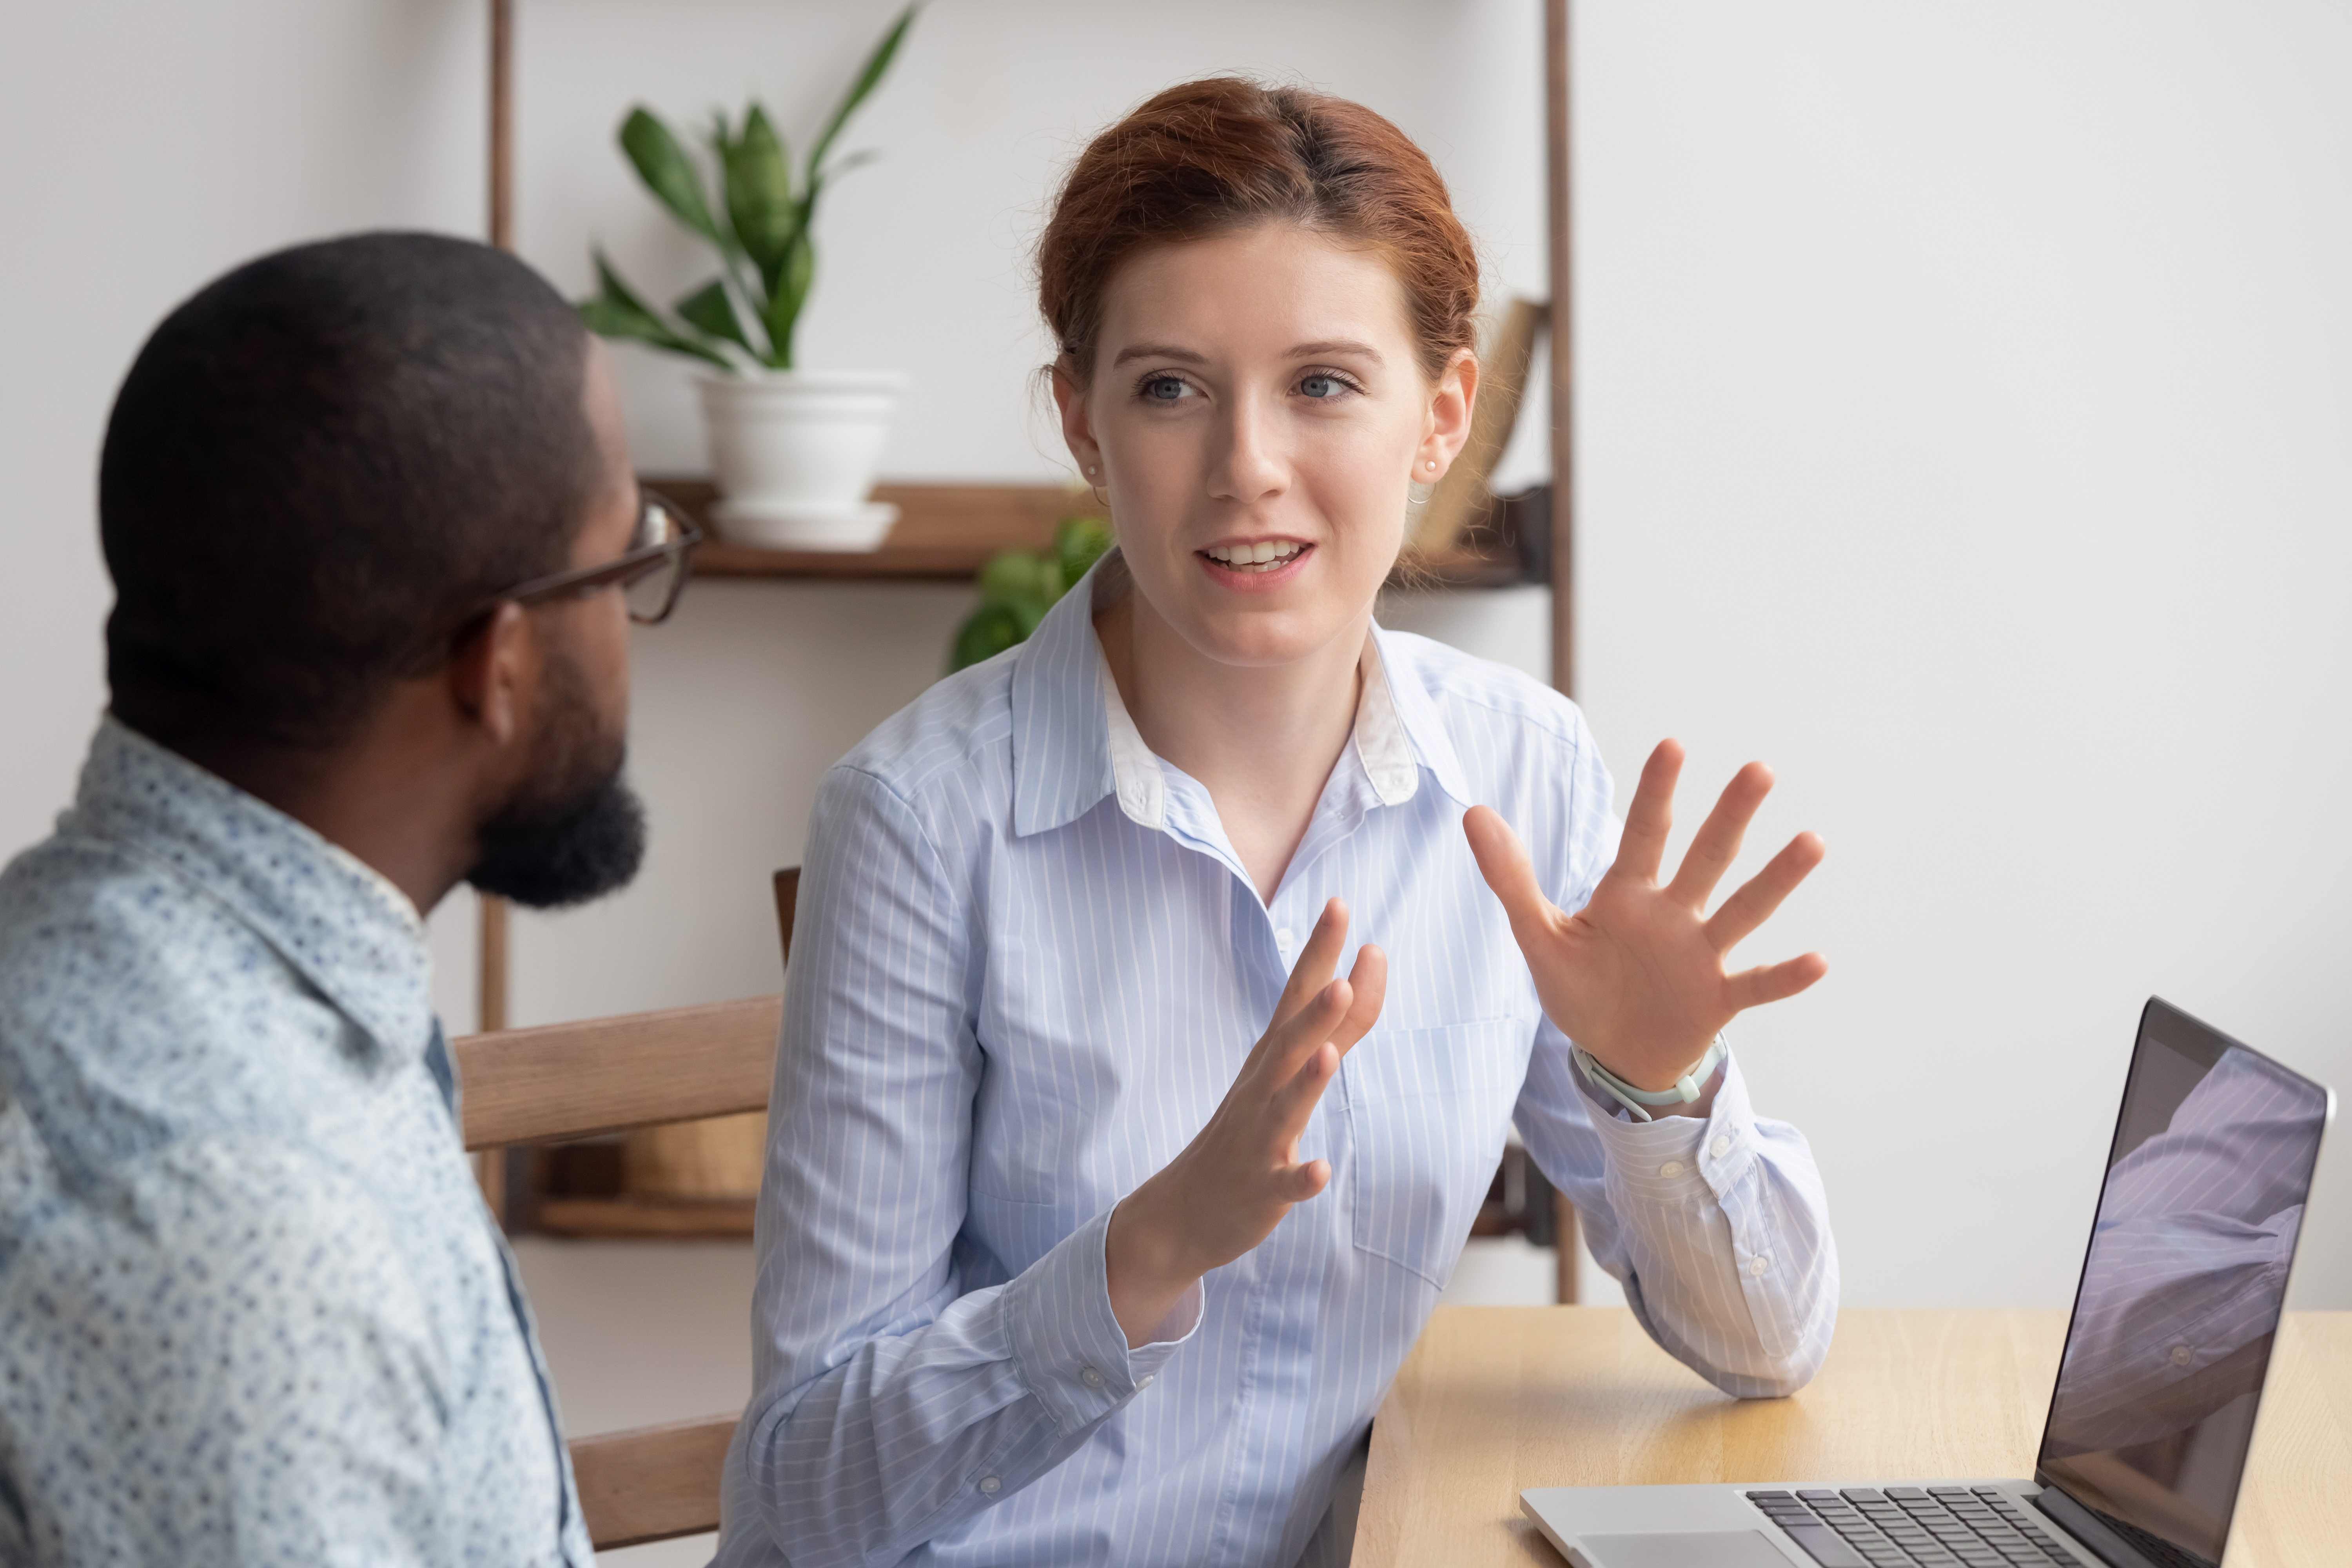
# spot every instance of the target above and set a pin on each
(575, 1080)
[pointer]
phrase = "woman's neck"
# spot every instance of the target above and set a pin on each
(1261, 740)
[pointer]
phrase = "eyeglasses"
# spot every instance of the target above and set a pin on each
(651, 574)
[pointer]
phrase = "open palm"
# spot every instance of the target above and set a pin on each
(1636, 977)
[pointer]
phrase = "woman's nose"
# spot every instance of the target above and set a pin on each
(1250, 467)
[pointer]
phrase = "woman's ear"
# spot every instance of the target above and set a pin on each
(1447, 430)
(1078, 423)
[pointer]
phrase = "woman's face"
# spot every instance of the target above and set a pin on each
(1257, 411)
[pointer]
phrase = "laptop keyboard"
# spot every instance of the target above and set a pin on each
(1913, 1527)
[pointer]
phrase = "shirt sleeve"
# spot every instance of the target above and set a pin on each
(892, 1400)
(1718, 1228)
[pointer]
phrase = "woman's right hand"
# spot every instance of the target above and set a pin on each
(1233, 1182)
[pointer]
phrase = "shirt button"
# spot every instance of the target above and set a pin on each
(1143, 1383)
(2181, 1355)
(1671, 1168)
(1283, 940)
(1091, 1378)
(1758, 1265)
(991, 1485)
(1719, 1147)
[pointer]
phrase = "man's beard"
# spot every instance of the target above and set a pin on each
(575, 830)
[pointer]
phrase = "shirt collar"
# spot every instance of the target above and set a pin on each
(1074, 740)
(337, 920)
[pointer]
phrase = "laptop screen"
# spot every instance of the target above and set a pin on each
(2183, 1285)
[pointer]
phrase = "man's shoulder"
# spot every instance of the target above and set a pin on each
(76, 892)
(134, 1009)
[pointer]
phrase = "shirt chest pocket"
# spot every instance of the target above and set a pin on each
(1428, 1111)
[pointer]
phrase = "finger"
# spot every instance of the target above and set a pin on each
(1295, 1101)
(1719, 836)
(1758, 896)
(1318, 960)
(1503, 861)
(1652, 815)
(1300, 1182)
(1775, 982)
(1289, 1044)
(1370, 982)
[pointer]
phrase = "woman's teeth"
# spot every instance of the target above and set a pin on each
(1267, 555)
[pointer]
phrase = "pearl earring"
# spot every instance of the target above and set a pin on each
(1430, 463)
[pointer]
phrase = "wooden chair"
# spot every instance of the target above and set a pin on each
(576, 1080)
(1522, 1202)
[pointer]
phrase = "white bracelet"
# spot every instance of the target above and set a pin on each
(1686, 1089)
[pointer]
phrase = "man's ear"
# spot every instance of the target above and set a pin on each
(492, 673)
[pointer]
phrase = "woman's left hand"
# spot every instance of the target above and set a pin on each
(1636, 977)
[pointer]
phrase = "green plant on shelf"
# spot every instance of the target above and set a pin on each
(1018, 586)
(744, 318)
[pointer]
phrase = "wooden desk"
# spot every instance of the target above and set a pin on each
(1497, 1399)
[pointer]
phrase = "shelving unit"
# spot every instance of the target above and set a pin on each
(946, 531)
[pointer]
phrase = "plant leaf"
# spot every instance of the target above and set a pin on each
(663, 163)
(759, 194)
(991, 629)
(1019, 578)
(868, 77)
(790, 293)
(1079, 543)
(616, 313)
(712, 310)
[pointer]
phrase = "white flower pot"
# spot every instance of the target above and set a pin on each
(795, 453)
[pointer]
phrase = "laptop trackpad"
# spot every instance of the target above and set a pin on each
(1707, 1549)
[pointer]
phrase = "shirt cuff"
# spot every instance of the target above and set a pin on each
(1672, 1158)
(1067, 1347)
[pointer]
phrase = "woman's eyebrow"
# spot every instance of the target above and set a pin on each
(1320, 349)
(1334, 346)
(1158, 351)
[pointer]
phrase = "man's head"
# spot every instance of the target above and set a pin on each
(321, 474)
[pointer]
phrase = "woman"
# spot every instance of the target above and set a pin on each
(1099, 1211)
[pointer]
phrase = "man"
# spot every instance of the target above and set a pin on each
(375, 545)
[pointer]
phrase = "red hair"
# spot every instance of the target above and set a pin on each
(1224, 154)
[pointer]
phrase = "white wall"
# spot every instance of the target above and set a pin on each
(1965, 398)
(1962, 413)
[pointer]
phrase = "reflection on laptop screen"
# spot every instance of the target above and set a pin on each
(2183, 1285)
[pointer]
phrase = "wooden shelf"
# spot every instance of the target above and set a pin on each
(945, 532)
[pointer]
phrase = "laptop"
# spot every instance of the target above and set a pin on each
(2149, 1426)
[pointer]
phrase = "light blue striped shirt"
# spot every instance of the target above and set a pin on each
(1027, 966)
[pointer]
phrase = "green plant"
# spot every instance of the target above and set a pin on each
(747, 314)
(1018, 586)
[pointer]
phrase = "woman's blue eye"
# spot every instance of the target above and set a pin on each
(1321, 387)
(1163, 389)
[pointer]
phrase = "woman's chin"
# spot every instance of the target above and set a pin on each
(1265, 636)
